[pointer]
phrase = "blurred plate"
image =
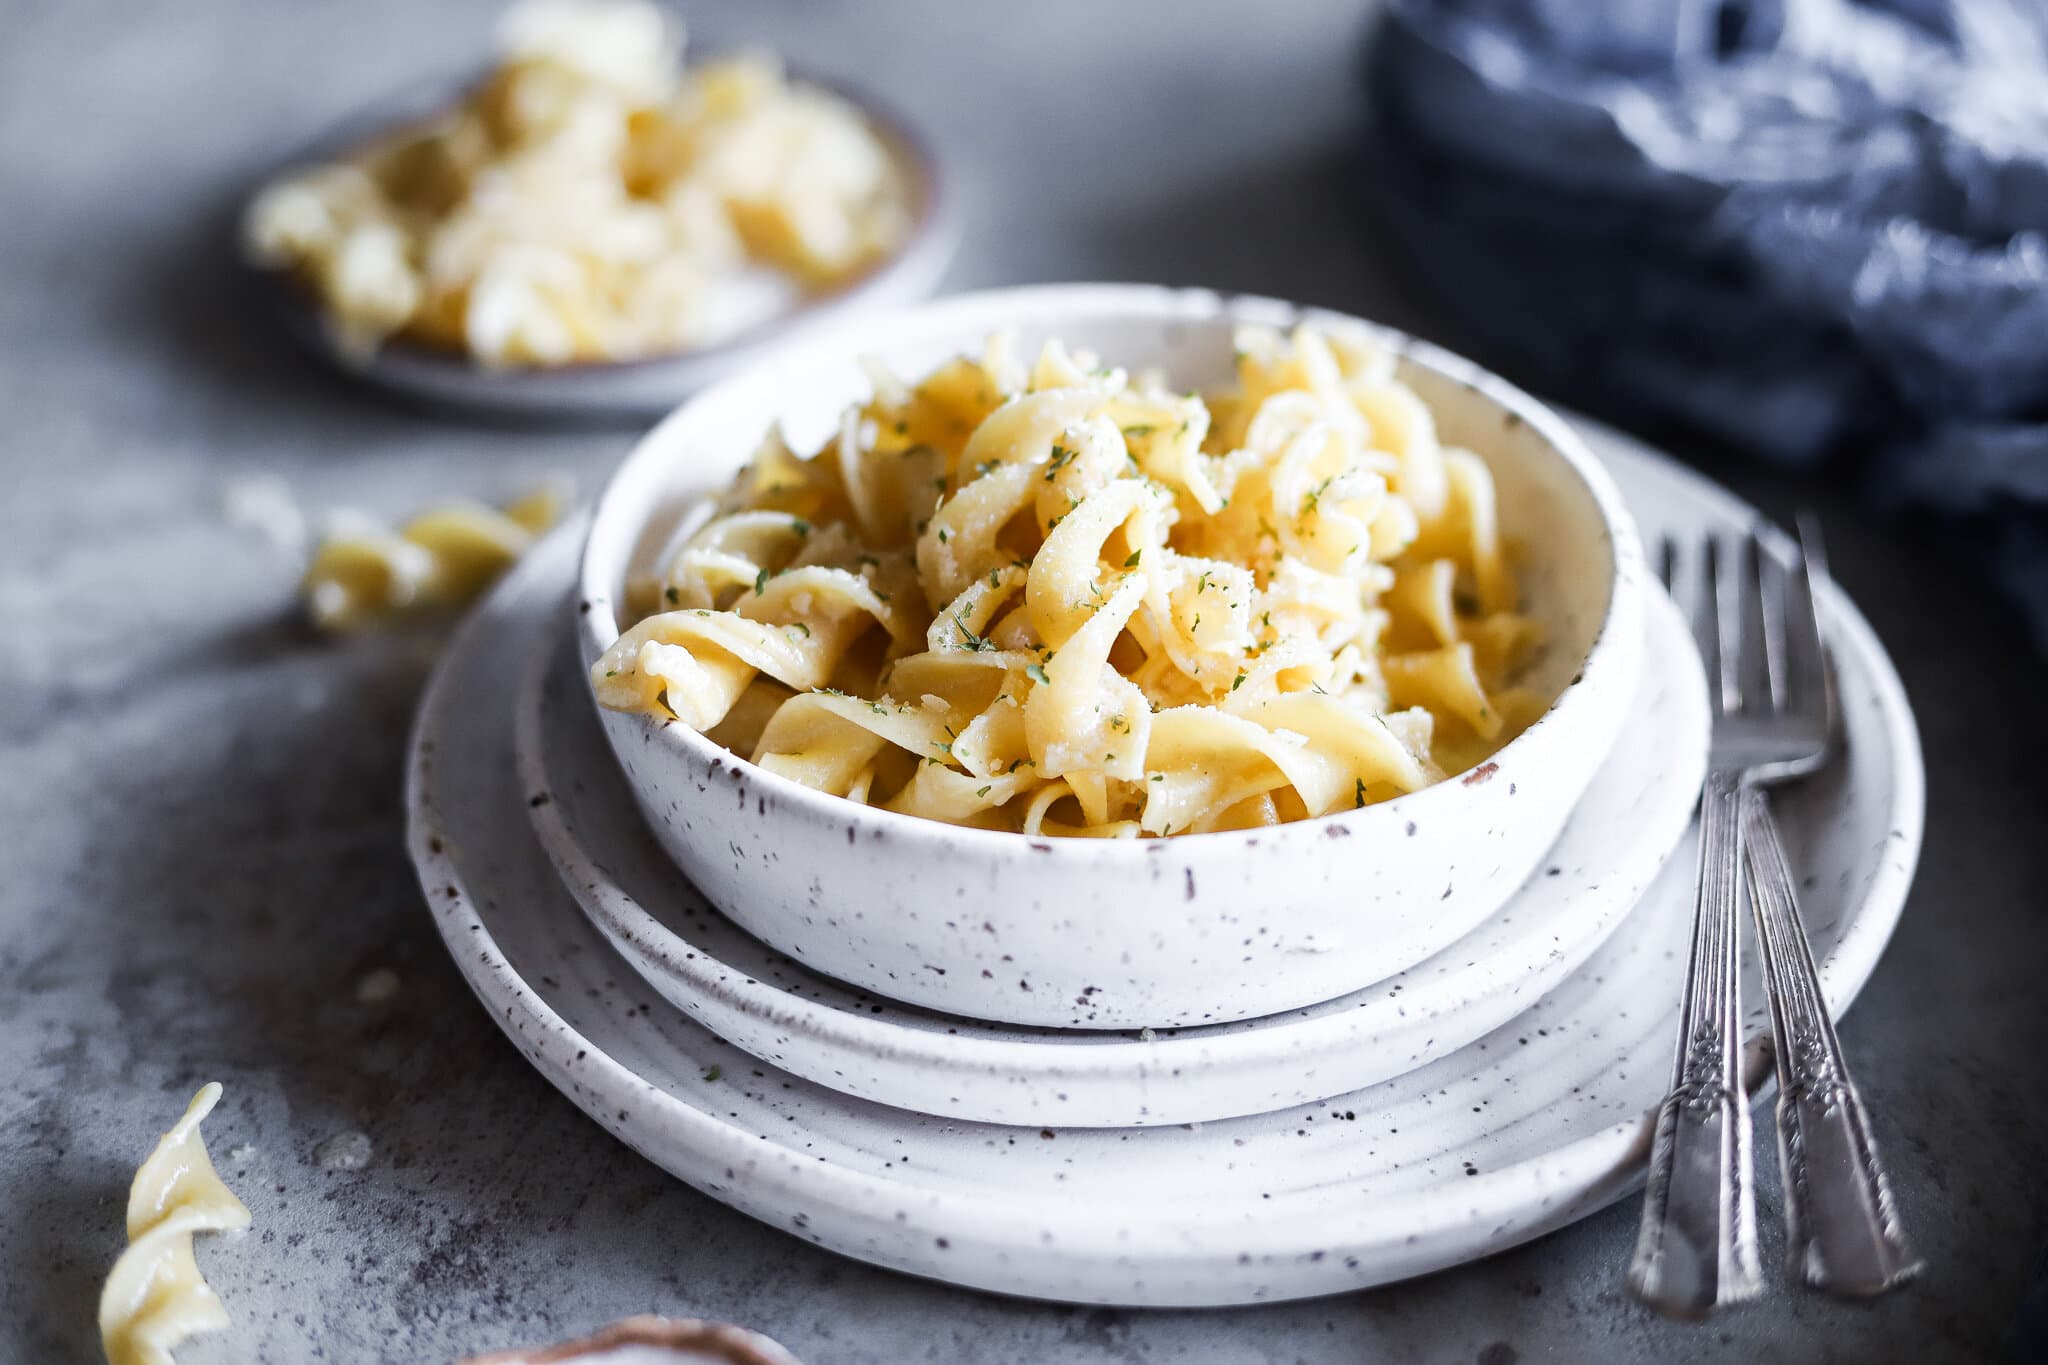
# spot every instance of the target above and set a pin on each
(627, 389)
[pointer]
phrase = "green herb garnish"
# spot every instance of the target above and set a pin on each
(977, 643)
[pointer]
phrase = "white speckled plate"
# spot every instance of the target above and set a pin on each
(1619, 835)
(1518, 1133)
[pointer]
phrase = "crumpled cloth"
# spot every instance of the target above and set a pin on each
(1813, 229)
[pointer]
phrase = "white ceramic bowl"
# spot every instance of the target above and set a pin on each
(1633, 815)
(1126, 933)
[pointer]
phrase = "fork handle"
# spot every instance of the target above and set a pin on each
(1842, 1231)
(1696, 1248)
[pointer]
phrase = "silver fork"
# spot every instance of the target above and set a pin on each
(1774, 720)
(1696, 1249)
(1842, 1232)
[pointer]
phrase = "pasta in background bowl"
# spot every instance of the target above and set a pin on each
(590, 226)
(1112, 932)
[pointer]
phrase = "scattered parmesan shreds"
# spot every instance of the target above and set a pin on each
(377, 987)
(345, 1151)
(263, 503)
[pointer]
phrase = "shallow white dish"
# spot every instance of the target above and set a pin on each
(1511, 1137)
(1635, 811)
(1113, 933)
(622, 389)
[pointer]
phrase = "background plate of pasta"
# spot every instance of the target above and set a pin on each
(1225, 656)
(592, 226)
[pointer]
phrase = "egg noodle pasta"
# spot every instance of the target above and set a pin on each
(590, 200)
(155, 1296)
(1052, 598)
(364, 572)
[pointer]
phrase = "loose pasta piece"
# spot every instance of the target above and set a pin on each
(155, 1296)
(363, 572)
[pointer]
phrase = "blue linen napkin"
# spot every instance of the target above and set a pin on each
(1815, 229)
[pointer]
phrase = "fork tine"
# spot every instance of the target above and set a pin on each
(1692, 588)
(1720, 632)
(1667, 563)
(1811, 547)
(1761, 614)
(1807, 682)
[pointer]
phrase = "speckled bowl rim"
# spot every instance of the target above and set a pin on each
(402, 362)
(1591, 1172)
(614, 519)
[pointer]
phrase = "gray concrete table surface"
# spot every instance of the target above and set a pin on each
(200, 846)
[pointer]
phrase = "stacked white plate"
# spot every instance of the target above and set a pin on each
(1484, 1096)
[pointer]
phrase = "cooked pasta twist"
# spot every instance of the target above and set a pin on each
(1055, 599)
(155, 1296)
(444, 557)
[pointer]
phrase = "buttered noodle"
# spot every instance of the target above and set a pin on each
(155, 1297)
(1055, 599)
